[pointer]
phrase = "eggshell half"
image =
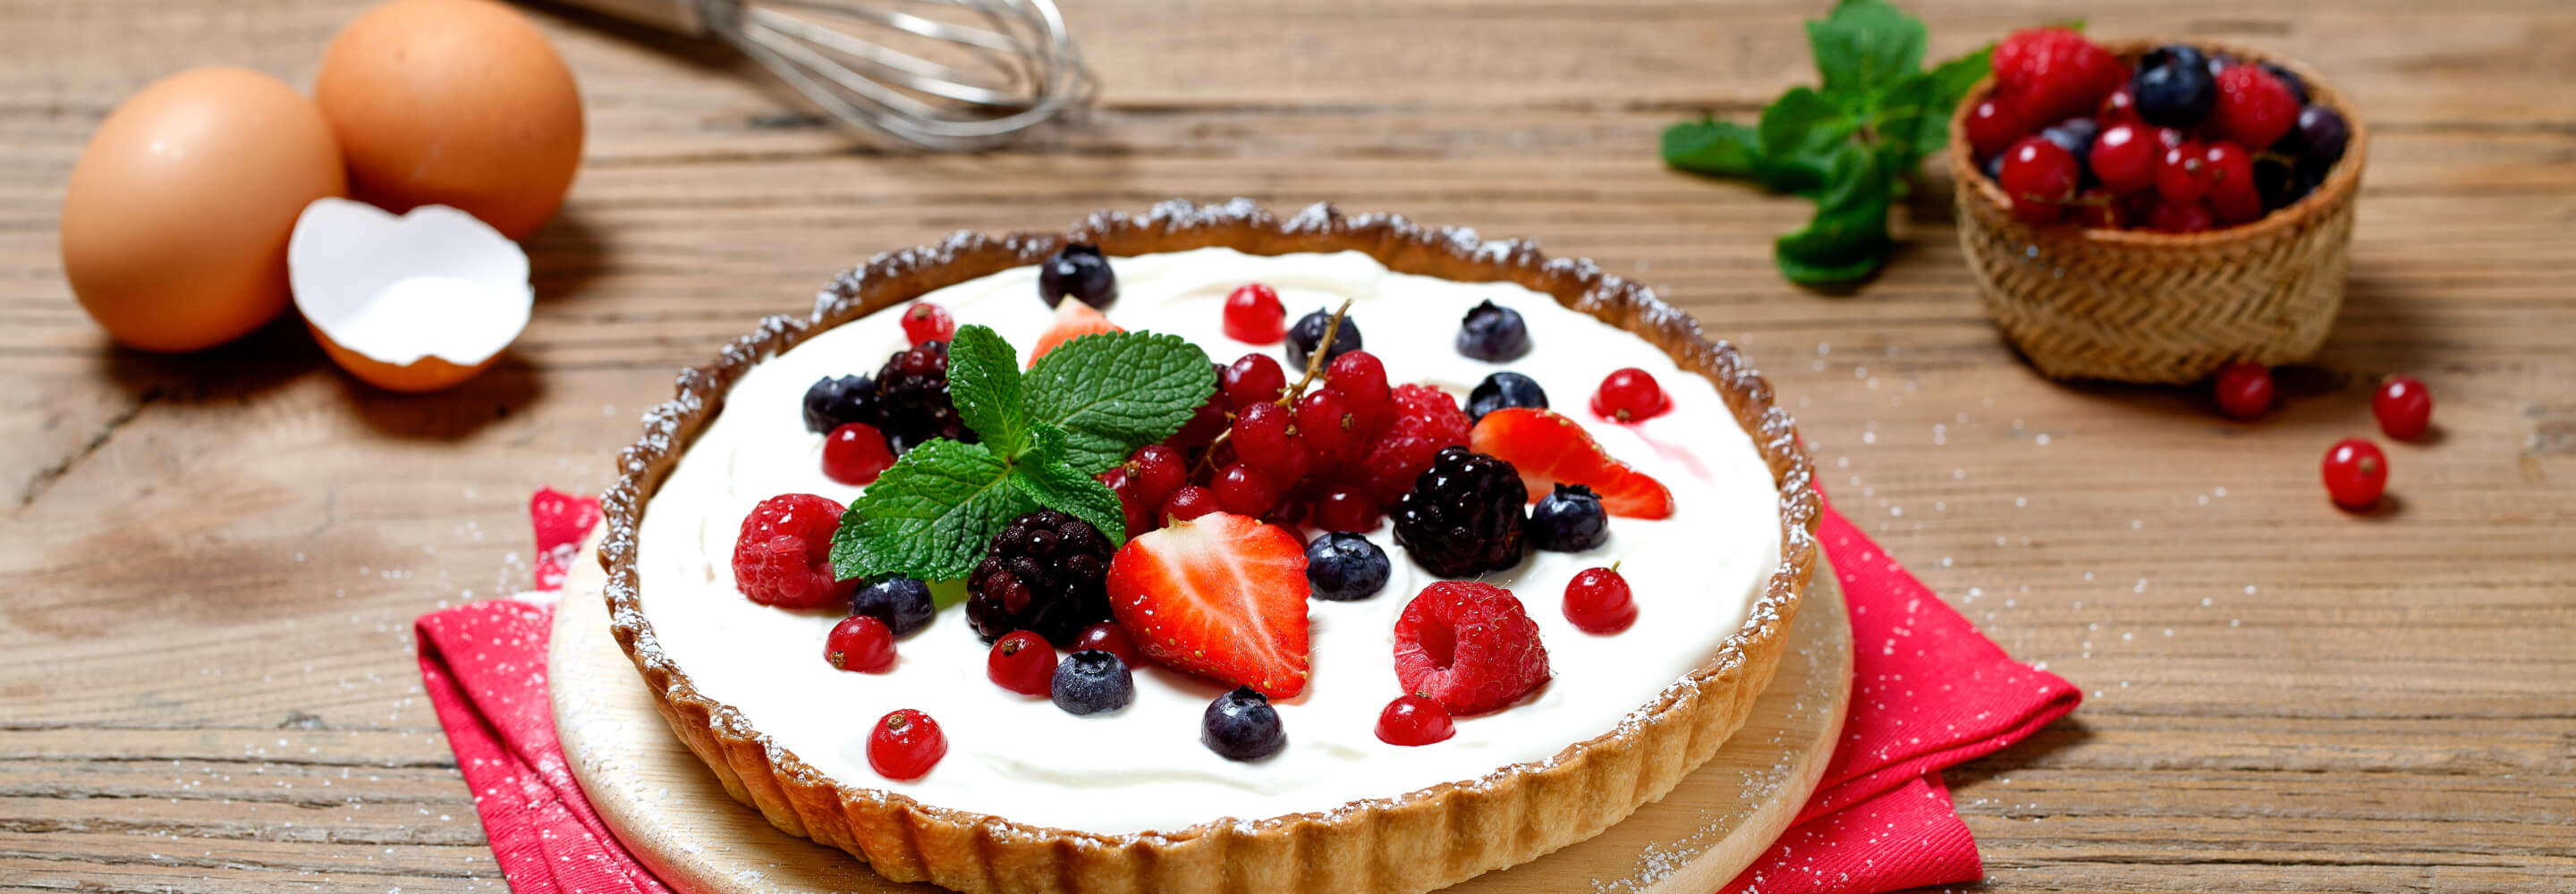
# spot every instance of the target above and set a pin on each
(412, 303)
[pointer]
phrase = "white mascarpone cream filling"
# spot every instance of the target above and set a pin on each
(1143, 768)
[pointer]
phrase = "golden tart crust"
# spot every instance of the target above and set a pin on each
(1407, 842)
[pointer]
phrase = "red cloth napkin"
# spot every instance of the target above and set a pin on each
(1928, 691)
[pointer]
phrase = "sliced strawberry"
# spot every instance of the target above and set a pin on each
(1073, 319)
(1222, 596)
(1550, 449)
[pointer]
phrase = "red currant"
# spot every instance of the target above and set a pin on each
(2182, 175)
(2231, 183)
(2404, 408)
(1414, 720)
(855, 454)
(1108, 637)
(2120, 107)
(1630, 395)
(1346, 508)
(1261, 433)
(2097, 209)
(2244, 389)
(1022, 662)
(906, 744)
(928, 322)
(1157, 470)
(1361, 378)
(1292, 466)
(2181, 217)
(2355, 472)
(1242, 490)
(1139, 511)
(2124, 158)
(1188, 502)
(1253, 379)
(1598, 600)
(2039, 176)
(860, 643)
(1253, 315)
(1993, 126)
(1326, 424)
(1208, 421)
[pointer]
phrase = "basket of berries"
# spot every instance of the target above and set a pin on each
(2149, 211)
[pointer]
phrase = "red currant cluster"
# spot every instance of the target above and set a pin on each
(2355, 471)
(2189, 141)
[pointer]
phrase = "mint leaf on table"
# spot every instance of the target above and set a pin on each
(1114, 392)
(1849, 144)
(984, 383)
(930, 515)
(1056, 484)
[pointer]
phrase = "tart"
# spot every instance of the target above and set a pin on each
(1032, 798)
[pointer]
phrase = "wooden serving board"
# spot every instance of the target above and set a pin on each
(675, 816)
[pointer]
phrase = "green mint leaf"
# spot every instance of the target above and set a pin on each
(1827, 274)
(929, 515)
(1116, 391)
(1801, 131)
(1057, 485)
(1865, 45)
(984, 382)
(1909, 122)
(1848, 238)
(1720, 148)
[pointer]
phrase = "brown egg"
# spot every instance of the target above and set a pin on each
(176, 218)
(453, 102)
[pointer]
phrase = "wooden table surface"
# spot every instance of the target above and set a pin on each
(210, 563)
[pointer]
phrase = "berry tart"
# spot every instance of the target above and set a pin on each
(1208, 550)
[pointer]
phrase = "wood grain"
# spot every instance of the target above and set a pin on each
(213, 560)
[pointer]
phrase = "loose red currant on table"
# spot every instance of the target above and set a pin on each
(783, 555)
(1992, 126)
(2181, 217)
(1598, 600)
(928, 322)
(2039, 176)
(2182, 175)
(2244, 389)
(1108, 637)
(2404, 408)
(1630, 395)
(1252, 379)
(1253, 315)
(2124, 157)
(1243, 490)
(1414, 720)
(906, 744)
(860, 643)
(1021, 662)
(1346, 508)
(2355, 473)
(1189, 502)
(855, 454)
(2231, 183)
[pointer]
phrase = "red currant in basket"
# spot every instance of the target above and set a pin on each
(855, 454)
(2181, 217)
(906, 744)
(1598, 600)
(2182, 174)
(1992, 126)
(2244, 389)
(2355, 472)
(2124, 157)
(1630, 395)
(1022, 662)
(2404, 408)
(2119, 107)
(2231, 183)
(1414, 720)
(1253, 315)
(2039, 176)
(860, 643)
(928, 322)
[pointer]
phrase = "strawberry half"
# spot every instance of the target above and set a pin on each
(1221, 596)
(1550, 449)
(1073, 319)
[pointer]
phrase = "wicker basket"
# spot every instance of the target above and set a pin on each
(2140, 306)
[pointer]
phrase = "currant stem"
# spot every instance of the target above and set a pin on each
(1288, 398)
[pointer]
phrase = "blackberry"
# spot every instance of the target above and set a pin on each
(1463, 516)
(912, 399)
(831, 403)
(1493, 332)
(1504, 389)
(1047, 573)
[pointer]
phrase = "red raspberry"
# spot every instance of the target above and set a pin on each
(928, 322)
(1993, 125)
(2055, 73)
(1469, 646)
(783, 556)
(1426, 419)
(1253, 315)
(2254, 108)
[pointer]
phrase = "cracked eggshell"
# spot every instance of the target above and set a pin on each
(412, 303)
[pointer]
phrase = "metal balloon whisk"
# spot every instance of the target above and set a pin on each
(950, 75)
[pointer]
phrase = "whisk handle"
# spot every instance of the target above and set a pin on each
(681, 16)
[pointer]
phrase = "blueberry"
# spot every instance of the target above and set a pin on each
(2173, 87)
(1092, 681)
(1241, 725)
(831, 403)
(1504, 389)
(1570, 520)
(1080, 271)
(1309, 332)
(1344, 567)
(1493, 333)
(2298, 85)
(903, 603)
(1994, 167)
